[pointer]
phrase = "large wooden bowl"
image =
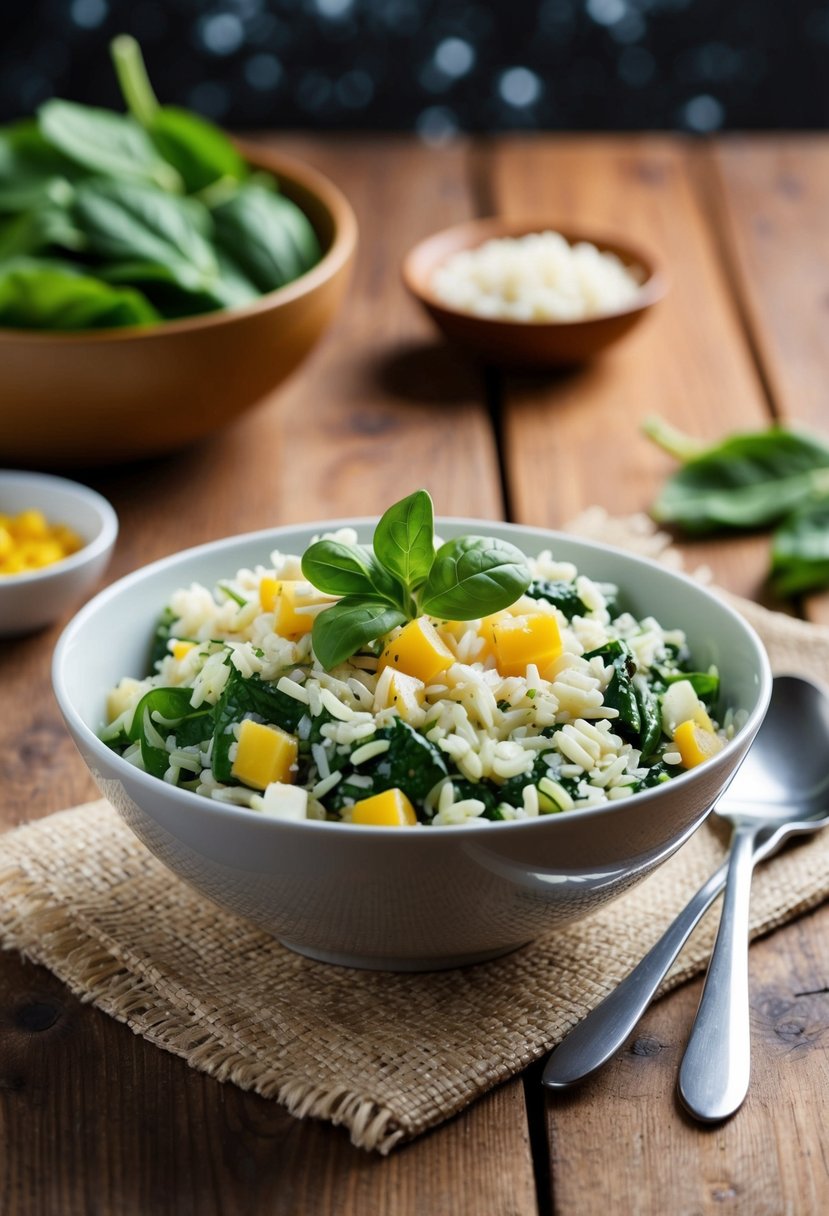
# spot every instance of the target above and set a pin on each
(528, 344)
(116, 395)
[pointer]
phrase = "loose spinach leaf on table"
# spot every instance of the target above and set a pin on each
(42, 296)
(800, 550)
(746, 481)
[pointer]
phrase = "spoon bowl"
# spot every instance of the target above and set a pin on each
(784, 784)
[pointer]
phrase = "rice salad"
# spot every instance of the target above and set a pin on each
(559, 701)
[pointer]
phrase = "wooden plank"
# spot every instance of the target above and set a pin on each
(622, 1143)
(381, 408)
(571, 440)
(94, 1118)
(773, 197)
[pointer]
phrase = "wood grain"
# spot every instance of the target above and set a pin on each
(622, 1143)
(772, 198)
(101, 1121)
(571, 441)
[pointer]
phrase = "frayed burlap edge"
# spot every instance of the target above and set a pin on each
(45, 933)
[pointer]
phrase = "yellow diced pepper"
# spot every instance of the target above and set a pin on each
(287, 598)
(695, 744)
(264, 754)
(418, 650)
(519, 640)
(391, 809)
(180, 650)
(268, 591)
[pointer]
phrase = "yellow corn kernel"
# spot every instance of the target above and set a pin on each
(519, 640)
(405, 694)
(418, 650)
(39, 553)
(13, 564)
(6, 543)
(30, 525)
(67, 538)
(180, 650)
(695, 744)
(391, 809)
(264, 754)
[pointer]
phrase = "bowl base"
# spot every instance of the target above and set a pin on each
(362, 962)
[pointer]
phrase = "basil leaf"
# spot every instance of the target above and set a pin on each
(127, 221)
(340, 569)
(404, 539)
(342, 629)
(259, 230)
(105, 142)
(800, 550)
(474, 576)
(746, 481)
(45, 297)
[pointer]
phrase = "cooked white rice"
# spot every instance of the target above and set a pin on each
(487, 727)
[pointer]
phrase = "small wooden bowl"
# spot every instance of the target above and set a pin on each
(122, 394)
(527, 344)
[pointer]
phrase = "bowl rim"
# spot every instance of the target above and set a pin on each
(99, 544)
(230, 813)
(653, 289)
(342, 247)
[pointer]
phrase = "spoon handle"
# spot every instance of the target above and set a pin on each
(599, 1035)
(714, 1075)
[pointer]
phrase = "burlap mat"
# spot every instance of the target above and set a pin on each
(386, 1055)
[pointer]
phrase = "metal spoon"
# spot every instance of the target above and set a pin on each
(603, 1031)
(790, 770)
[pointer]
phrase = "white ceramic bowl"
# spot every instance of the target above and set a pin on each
(34, 599)
(404, 898)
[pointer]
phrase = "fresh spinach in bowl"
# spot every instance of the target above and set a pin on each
(111, 219)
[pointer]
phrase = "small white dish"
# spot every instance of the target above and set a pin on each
(36, 598)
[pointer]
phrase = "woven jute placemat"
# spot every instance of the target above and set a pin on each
(386, 1055)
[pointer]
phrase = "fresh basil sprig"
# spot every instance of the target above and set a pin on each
(402, 577)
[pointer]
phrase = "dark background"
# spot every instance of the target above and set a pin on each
(438, 66)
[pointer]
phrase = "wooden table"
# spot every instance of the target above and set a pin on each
(94, 1120)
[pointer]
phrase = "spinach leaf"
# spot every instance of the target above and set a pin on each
(198, 150)
(706, 684)
(179, 290)
(474, 576)
(44, 226)
(190, 726)
(620, 693)
(411, 764)
(161, 636)
(650, 718)
(339, 631)
(246, 696)
(40, 296)
(800, 550)
(512, 790)
(746, 481)
(560, 593)
(404, 539)
(105, 142)
(32, 172)
(266, 235)
(131, 222)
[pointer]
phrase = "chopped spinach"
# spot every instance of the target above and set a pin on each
(162, 635)
(249, 696)
(411, 764)
(190, 726)
(620, 693)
